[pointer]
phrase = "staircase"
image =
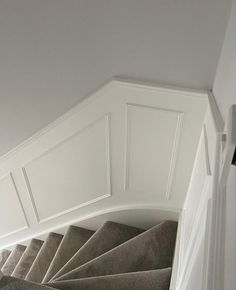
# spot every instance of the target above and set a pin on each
(115, 257)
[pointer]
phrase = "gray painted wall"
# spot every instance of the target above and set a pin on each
(55, 52)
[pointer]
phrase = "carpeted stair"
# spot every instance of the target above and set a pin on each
(148, 280)
(75, 237)
(27, 259)
(44, 258)
(107, 237)
(115, 257)
(13, 259)
(4, 256)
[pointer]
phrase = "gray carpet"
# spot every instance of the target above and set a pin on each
(11, 283)
(106, 238)
(44, 258)
(146, 280)
(27, 259)
(3, 257)
(13, 260)
(150, 250)
(73, 240)
(115, 257)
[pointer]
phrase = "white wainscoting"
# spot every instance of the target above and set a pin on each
(193, 268)
(78, 167)
(12, 216)
(127, 146)
(141, 138)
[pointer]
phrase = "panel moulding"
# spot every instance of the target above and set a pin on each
(40, 220)
(26, 225)
(174, 151)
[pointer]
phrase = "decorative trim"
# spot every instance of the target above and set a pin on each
(174, 155)
(207, 156)
(160, 87)
(75, 208)
(108, 172)
(30, 194)
(108, 152)
(174, 148)
(26, 226)
(215, 112)
(66, 116)
(101, 212)
(19, 199)
(14, 232)
(118, 82)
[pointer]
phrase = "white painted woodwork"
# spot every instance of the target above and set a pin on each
(218, 236)
(78, 167)
(201, 244)
(11, 211)
(128, 146)
(141, 138)
(194, 219)
(142, 217)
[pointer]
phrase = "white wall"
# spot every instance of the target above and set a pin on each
(225, 93)
(224, 87)
(56, 52)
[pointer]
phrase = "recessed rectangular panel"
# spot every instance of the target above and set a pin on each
(152, 143)
(72, 174)
(12, 218)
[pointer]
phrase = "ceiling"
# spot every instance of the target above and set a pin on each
(53, 53)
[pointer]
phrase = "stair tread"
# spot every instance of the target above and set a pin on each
(44, 258)
(3, 257)
(12, 283)
(148, 280)
(110, 235)
(150, 250)
(13, 260)
(115, 257)
(73, 240)
(27, 259)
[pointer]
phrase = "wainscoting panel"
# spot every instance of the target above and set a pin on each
(79, 168)
(12, 215)
(127, 146)
(147, 151)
